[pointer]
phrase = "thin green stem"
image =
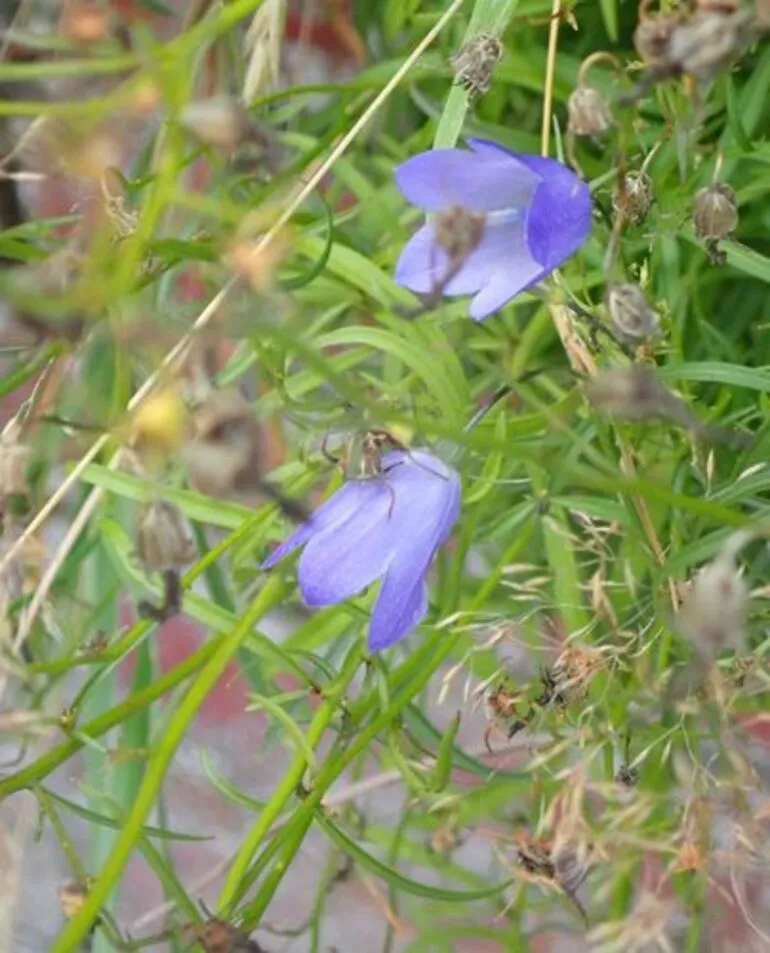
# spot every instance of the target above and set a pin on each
(167, 745)
(233, 886)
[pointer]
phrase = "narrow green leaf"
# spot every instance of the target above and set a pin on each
(396, 880)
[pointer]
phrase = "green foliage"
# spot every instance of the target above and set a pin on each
(575, 526)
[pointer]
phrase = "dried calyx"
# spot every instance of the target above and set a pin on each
(162, 538)
(633, 198)
(631, 316)
(476, 62)
(588, 113)
(701, 44)
(715, 216)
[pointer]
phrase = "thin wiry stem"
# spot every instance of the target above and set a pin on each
(550, 67)
(178, 352)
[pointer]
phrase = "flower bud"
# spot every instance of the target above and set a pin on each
(633, 198)
(587, 112)
(220, 121)
(631, 316)
(476, 61)
(458, 232)
(715, 211)
(162, 540)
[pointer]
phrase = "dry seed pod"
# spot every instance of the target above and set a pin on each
(220, 121)
(162, 540)
(631, 316)
(587, 112)
(709, 43)
(715, 211)
(653, 33)
(633, 198)
(476, 61)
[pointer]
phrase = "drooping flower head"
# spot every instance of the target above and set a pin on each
(384, 528)
(536, 214)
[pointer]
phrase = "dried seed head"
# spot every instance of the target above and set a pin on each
(709, 43)
(458, 232)
(221, 122)
(714, 612)
(162, 539)
(15, 458)
(476, 61)
(587, 112)
(631, 316)
(652, 36)
(633, 197)
(715, 211)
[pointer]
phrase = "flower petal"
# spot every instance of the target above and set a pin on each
(504, 285)
(480, 181)
(559, 219)
(347, 557)
(397, 611)
(338, 509)
(402, 600)
(501, 258)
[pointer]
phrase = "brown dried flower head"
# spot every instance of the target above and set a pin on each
(476, 62)
(162, 539)
(715, 211)
(653, 33)
(72, 896)
(587, 112)
(708, 43)
(631, 316)
(633, 197)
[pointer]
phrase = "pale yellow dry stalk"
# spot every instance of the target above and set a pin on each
(262, 45)
(179, 351)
